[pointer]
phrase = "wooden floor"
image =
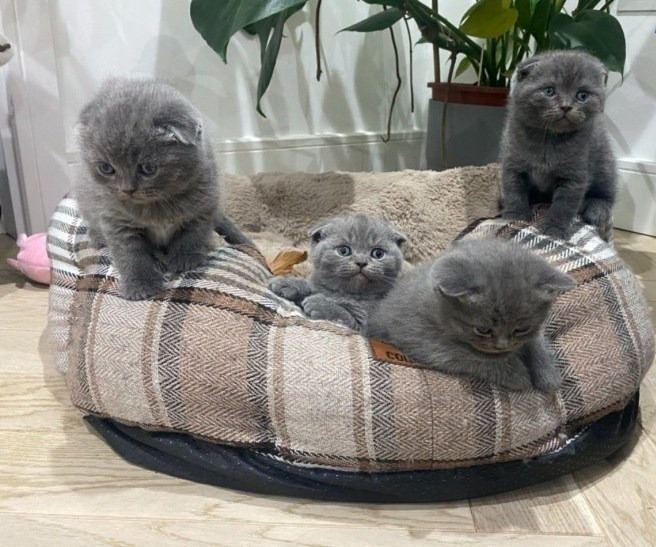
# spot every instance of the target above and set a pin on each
(61, 485)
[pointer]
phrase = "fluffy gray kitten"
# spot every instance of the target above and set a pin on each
(555, 147)
(356, 262)
(148, 183)
(477, 310)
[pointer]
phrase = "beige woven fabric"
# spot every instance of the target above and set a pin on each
(218, 356)
(430, 207)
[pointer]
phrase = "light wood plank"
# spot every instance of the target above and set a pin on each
(639, 252)
(36, 403)
(61, 485)
(24, 346)
(24, 311)
(647, 416)
(555, 507)
(638, 242)
(77, 474)
(622, 493)
(27, 530)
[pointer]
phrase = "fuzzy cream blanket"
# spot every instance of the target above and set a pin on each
(277, 210)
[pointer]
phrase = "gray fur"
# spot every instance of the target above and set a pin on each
(346, 288)
(492, 285)
(151, 224)
(568, 160)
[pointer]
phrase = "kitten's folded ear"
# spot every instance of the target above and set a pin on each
(399, 238)
(555, 282)
(450, 278)
(180, 128)
(317, 233)
(522, 70)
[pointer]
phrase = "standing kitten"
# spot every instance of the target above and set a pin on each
(478, 310)
(356, 262)
(554, 145)
(148, 182)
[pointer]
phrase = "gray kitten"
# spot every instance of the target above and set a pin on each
(555, 147)
(478, 310)
(356, 262)
(148, 184)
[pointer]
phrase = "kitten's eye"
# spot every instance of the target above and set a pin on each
(522, 332)
(549, 91)
(582, 96)
(147, 169)
(480, 331)
(344, 250)
(377, 253)
(105, 169)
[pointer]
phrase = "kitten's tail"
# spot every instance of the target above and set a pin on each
(233, 235)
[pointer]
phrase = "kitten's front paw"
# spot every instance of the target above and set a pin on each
(598, 213)
(317, 306)
(516, 376)
(547, 379)
(543, 368)
(141, 288)
(555, 232)
(97, 239)
(289, 288)
(185, 262)
(517, 214)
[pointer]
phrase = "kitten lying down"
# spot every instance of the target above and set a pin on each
(356, 261)
(148, 183)
(478, 310)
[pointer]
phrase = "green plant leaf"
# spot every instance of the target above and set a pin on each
(262, 29)
(217, 21)
(438, 30)
(585, 5)
(389, 3)
(379, 21)
(489, 19)
(542, 14)
(524, 13)
(463, 65)
(596, 32)
(504, 3)
(269, 54)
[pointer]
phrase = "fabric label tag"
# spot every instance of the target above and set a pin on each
(389, 353)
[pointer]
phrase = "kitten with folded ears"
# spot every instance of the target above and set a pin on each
(356, 261)
(555, 147)
(478, 310)
(148, 183)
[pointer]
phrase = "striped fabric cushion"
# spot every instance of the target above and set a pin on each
(218, 356)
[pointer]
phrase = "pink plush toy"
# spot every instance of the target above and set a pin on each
(32, 259)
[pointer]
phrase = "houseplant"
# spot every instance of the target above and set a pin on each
(492, 37)
(510, 31)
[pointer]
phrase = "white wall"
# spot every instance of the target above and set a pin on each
(68, 46)
(631, 111)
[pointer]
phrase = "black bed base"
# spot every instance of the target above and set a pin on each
(189, 458)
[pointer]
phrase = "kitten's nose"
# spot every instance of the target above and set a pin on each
(501, 343)
(566, 107)
(362, 262)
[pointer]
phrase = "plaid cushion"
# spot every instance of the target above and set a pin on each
(218, 356)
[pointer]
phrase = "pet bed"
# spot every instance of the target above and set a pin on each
(217, 380)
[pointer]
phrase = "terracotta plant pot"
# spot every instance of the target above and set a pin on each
(474, 121)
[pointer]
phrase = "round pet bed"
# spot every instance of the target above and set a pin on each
(217, 380)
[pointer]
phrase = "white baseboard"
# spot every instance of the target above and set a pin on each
(635, 209)
(317, 153)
